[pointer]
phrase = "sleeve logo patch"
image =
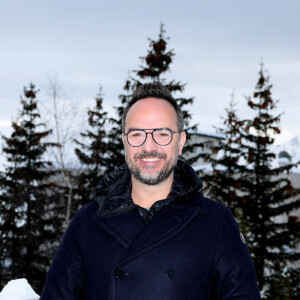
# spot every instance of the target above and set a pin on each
(242, 238)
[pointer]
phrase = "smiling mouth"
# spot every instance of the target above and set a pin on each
(150, 158)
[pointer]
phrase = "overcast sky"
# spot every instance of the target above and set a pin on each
(219, 46)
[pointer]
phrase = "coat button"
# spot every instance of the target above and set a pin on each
(119, 274)
(170, 273)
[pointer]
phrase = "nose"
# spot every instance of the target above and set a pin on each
(149, 145)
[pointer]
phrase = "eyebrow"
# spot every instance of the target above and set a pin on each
(134, 128)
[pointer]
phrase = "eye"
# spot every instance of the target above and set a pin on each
(135, 134)
(163, 134)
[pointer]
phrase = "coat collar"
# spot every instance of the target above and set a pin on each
(113, 193)
(117, 216)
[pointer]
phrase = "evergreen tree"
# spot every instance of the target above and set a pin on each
(92, 152)
(224, 181)
(220, 183)
(268, 191)
(28, 220)
(244, 177)
(284, 284)
(156, 64)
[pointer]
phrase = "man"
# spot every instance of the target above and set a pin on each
(150, 234)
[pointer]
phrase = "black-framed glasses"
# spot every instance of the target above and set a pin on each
(161, 136)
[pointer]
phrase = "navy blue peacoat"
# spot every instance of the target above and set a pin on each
(191, 249)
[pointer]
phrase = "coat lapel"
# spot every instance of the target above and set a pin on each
(123, 227)
(163, 227)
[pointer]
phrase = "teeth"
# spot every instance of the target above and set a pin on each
(150, 159)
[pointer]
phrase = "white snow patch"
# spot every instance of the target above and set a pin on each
(292, 147)
(18, 289)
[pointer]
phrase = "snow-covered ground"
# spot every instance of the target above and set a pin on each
(18, 289)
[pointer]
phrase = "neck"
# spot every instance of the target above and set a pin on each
(145, 195)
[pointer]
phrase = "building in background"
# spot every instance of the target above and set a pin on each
(285, 154)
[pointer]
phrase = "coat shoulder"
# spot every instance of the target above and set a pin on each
(87, 211)
(207, 205)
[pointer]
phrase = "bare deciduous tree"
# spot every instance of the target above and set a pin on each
(63, 117)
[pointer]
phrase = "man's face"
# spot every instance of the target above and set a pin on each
(151, 163)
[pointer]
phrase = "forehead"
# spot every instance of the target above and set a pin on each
(151, 113)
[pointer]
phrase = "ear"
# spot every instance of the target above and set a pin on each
(182, 141)
(123, 139)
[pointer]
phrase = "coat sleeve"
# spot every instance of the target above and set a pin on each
(233, 263)
(65, 275)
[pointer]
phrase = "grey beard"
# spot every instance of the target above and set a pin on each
(162, 176)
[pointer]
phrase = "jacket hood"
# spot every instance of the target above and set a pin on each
(113, 193)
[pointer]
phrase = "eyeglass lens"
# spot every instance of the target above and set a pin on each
(161, 137)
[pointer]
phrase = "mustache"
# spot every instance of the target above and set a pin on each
(149, 154)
